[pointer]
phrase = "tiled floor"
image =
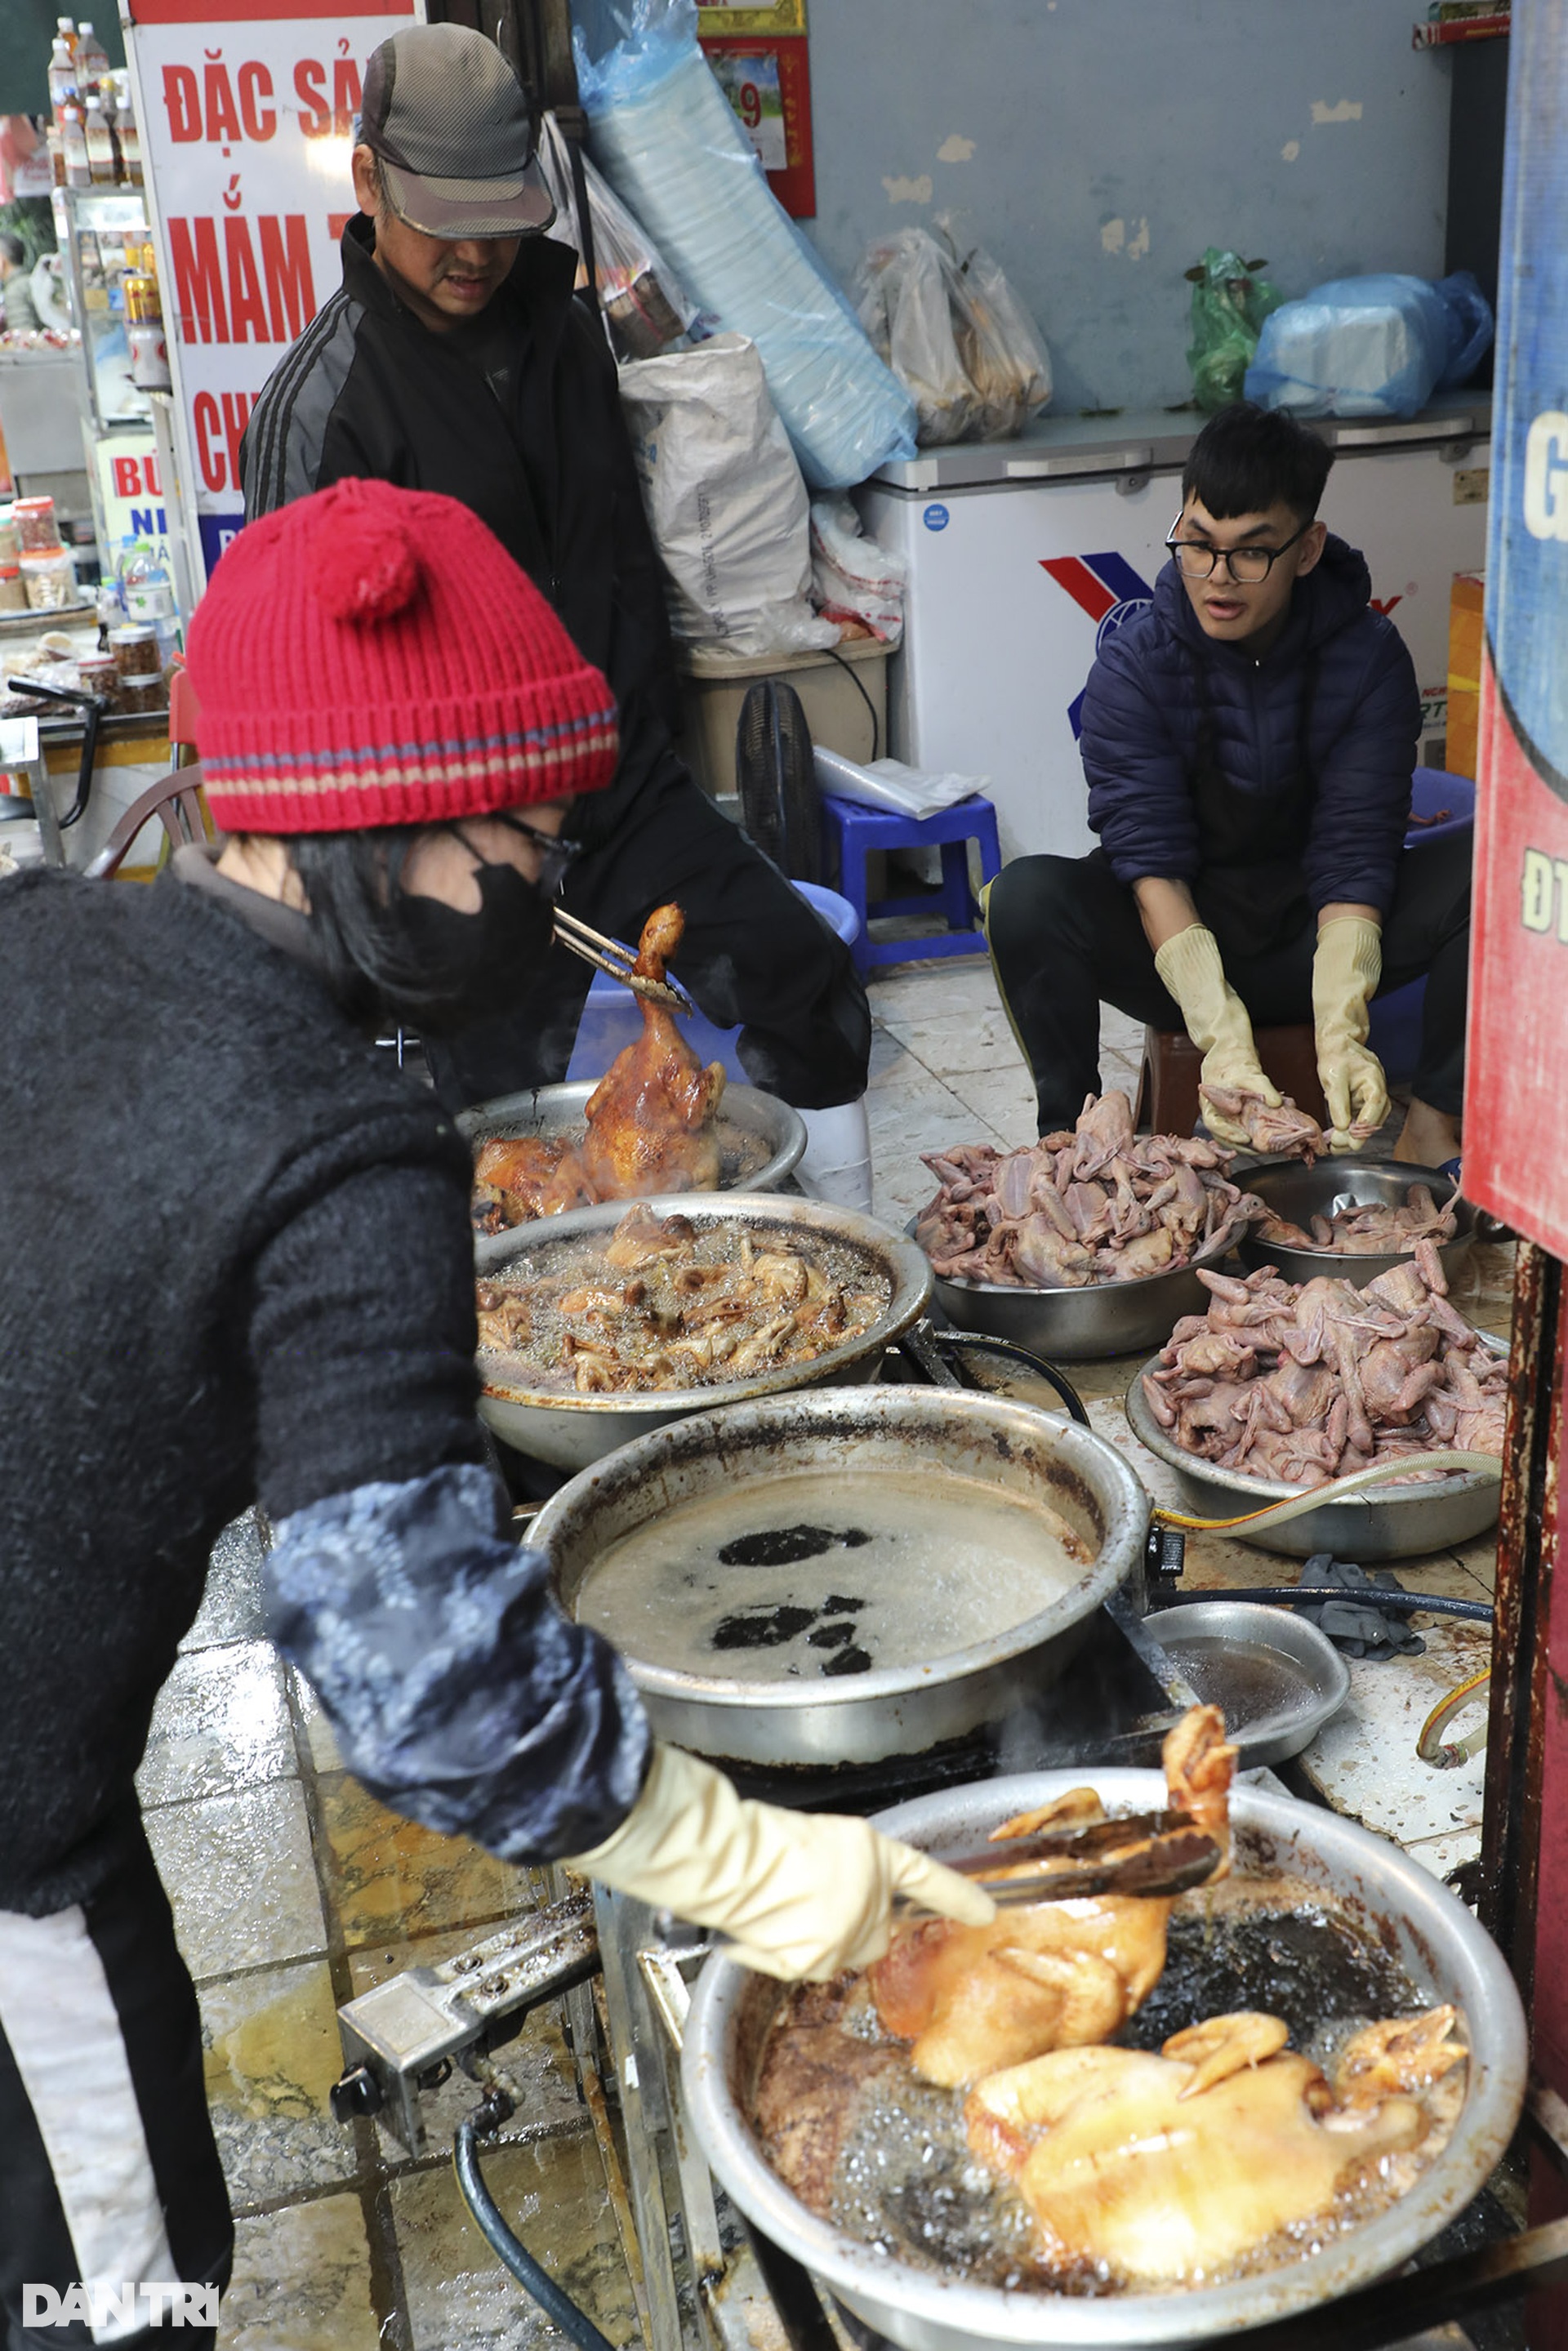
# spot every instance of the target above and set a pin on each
(293, 1890)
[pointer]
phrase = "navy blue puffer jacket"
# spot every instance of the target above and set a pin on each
(1144, 708)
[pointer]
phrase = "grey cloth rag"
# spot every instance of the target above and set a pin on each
(1359, 1626)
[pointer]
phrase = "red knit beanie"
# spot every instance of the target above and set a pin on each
(373, 656)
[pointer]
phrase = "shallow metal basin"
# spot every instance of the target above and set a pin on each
(561, 1110)
(1301, 1192)
(859, 1433)
(1392, 1521)
(1277, 1679)
(1375, 1886)
(1108, 1318)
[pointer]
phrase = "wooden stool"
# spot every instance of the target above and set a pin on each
(1167, 1082)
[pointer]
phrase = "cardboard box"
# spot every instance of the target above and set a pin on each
(1466, 604)
(833, 696)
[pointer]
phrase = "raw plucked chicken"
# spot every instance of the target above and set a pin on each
(1052, 1975)
(1308, 1382)
(1098, 1204)
(1275, 1129)
(1169, 2170)
(651, 1120)
(1371, 1228)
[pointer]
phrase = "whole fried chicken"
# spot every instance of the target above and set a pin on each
(1169, 2170)
(1052, 1975)
(651, 1117)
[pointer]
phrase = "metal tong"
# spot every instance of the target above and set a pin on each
(1168, 1854)
(615, 957)
(1146, 1853)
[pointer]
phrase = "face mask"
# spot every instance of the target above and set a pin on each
(473, 964)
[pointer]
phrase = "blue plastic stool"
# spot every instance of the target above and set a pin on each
(610, 1019)
(851, 832)
(1395, 1033)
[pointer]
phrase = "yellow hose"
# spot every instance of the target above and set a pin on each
(1430, 1749)
(1338, 1490)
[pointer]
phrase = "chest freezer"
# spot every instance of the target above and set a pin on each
(1025, 554)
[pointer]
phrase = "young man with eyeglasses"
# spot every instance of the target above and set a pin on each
(1248, 744)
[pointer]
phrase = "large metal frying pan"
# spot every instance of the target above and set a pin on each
(1426, 1929)
(859, 1433)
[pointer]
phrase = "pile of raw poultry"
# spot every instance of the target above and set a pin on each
(1309, 1383)
(1098, 1204)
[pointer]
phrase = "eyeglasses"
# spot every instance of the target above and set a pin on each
(556, 853)
(1248, 566)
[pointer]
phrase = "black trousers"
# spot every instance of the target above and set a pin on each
(1066, 936)
(108, 2171)
(755, 955)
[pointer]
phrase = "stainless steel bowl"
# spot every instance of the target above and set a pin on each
(561, 1110)
(1392, 1521)
(1371, 1884)
(1276, 1677)
(1108, 1318)
(861, 1434)
(1302, 1193)
(570, 1431)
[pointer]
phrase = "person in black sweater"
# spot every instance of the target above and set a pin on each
(454, 358)
(249, 1274)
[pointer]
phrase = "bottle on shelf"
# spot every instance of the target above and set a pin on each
(128, 137)
(73, 138)
(144, 325)
(92, 58)
(100, 144)
(62, 76)
(66, 30)
(56, 154)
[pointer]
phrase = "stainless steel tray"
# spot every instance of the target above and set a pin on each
(1277, 1679)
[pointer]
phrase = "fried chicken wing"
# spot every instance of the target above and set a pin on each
(651, 1118)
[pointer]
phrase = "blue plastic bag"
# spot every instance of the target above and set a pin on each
(664, 136)
(1375, 346)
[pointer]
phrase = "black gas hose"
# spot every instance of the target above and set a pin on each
(574, 2324)
(963, 1342)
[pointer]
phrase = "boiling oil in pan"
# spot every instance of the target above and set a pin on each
(813, 1574)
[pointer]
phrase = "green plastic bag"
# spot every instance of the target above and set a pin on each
(1230, 304)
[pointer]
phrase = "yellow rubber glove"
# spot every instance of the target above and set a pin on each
(799, 1894)
(1217, 1020)
(1346, 968)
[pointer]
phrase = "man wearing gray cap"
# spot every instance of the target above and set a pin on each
(454, 358)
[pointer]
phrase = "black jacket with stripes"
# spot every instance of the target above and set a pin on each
(517, 415)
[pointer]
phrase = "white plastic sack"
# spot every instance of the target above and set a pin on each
(889, 785)
(726, 501)
(853, 577)
(666, 138)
